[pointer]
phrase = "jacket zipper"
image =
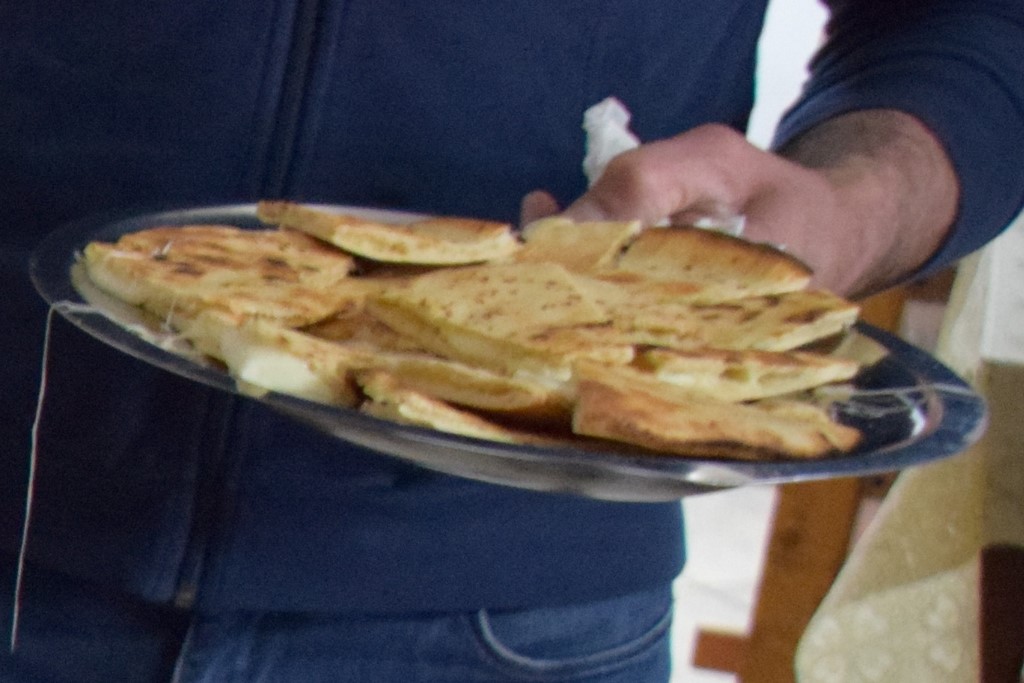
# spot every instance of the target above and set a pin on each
(294, 88)
(210, 486)
(214, 468)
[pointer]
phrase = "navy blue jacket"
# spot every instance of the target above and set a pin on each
(172, 491)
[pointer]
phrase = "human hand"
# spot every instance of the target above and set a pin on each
(858, 216)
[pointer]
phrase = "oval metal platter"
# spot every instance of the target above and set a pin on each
(911, 408)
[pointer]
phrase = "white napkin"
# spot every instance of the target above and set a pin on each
(608, 135)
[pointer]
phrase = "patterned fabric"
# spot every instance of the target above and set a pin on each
(906, 605)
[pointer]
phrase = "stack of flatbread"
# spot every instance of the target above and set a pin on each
(606, 335)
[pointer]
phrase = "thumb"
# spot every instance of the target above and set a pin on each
(536, 205)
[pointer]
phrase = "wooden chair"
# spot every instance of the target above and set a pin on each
(809, 540)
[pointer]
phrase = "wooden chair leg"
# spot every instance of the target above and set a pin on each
(808, 544)
(719, 650)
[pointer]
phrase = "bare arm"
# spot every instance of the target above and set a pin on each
(896, 179)
(863, 198)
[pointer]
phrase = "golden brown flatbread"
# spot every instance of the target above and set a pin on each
(495, 316)
(499, 299)
(268, 273)
(359, 326)
(388, 398)
(434, 241)
(539, 356)
(521, 398)
(744, 375)
(677, 341)
(579, 246)
(263, 354)
(768, 323)
(669, 422)
(726, 267)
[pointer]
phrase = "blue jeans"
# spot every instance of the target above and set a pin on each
(72, 633)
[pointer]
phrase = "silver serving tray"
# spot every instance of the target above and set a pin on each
(910, 407)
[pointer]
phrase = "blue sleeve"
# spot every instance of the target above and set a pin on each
(958, 66)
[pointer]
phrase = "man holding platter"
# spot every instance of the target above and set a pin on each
(179, 533)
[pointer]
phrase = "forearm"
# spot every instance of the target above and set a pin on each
(953, 65)
(893, 180)
(862, 198)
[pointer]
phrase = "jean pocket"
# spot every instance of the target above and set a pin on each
(563, 643)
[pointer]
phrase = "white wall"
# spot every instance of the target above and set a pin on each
(792, 33)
